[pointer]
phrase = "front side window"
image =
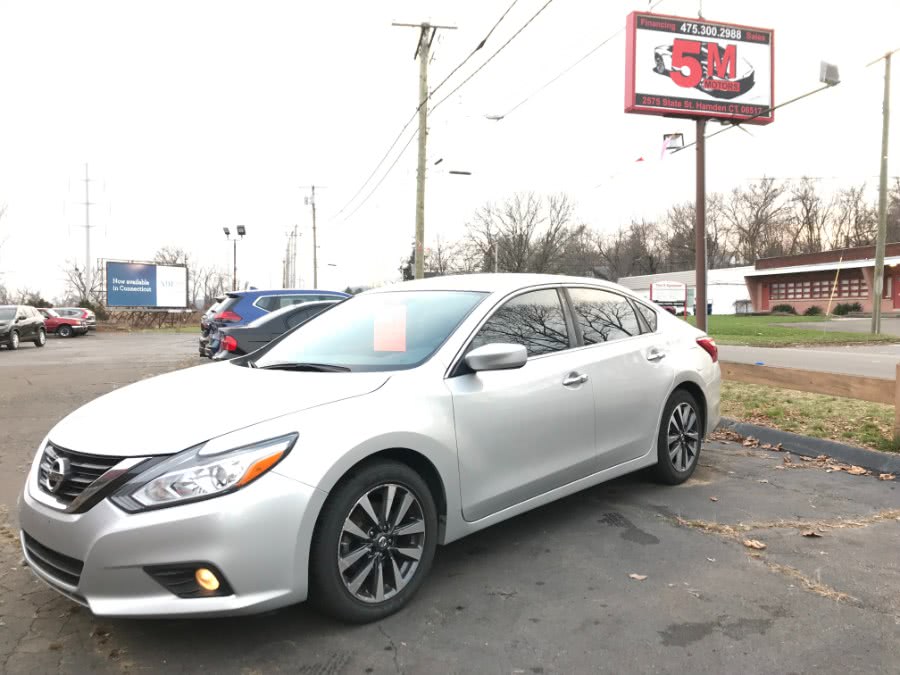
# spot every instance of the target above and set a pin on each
(603, 316)
(378, 332)
(534, 320)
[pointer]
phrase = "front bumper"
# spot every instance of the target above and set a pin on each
(257, 537)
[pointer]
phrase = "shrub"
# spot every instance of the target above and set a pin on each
(844, 308)
(815, 310)
(783, 309)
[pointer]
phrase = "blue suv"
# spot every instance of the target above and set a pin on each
(241, 307)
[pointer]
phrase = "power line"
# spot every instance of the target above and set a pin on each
(491, 57)
(386, 174)
(568, 68)
(478, 47)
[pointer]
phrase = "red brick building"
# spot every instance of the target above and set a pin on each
(812, 279)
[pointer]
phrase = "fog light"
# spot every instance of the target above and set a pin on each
(207, 579)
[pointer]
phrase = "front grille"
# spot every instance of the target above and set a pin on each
(83, 470)
(55, 565)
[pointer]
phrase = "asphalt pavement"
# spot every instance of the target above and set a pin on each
(867, 360)
(546, 592)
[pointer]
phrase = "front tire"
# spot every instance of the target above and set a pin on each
(13, 341)
(64, 331)
(680, 439)
(659, 65)
(373, 544)
(41, 338)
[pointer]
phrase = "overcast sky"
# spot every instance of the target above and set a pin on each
(193, 115)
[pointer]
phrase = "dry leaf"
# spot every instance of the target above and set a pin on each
(711, 559)
(755, 544)
(856, 471)
(637, 577)
(886, 476)
(763, 480)
(779, 447)
(750, 442)
(822, 458)
(810, 533)
(780, 466)
(715, 499)
(806, 459)
(787, 459)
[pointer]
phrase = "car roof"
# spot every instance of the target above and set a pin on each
(505, 282)
(286, 291)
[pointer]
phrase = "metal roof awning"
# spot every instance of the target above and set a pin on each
(823, 267)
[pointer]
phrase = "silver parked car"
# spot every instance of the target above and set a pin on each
(406, 417)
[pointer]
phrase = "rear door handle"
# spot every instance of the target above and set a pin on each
(573, 379)
(655, 354)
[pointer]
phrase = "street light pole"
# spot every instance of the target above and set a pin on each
(877, 291)
(241, 231)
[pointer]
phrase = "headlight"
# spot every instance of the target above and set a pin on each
(192, 475)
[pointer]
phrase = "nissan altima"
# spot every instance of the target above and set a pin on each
(336, 459)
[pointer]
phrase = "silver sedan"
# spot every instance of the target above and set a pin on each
(334, 460)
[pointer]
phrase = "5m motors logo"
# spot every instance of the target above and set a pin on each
(707, 66)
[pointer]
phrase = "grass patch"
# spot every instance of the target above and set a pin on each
(868, 425)
(761, 331)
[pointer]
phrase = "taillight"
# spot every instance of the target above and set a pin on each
(709, 346)
(229, 344)
(227, 315)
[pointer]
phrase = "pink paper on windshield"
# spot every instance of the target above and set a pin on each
(390, 329)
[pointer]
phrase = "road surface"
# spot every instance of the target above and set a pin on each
(870, 361)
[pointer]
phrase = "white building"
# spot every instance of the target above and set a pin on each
(724, 287)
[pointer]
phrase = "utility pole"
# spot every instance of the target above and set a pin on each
(312, 203)
(877, 292)
(423, 49)
(700, 229)
(88, 281)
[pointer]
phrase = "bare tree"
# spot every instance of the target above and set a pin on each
(810, 221)
(528, 233)
(76, 286)
(442, 258)
(856, 220)
(681, 240)
(756, 215)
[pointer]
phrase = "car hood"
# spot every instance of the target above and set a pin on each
(172, 412)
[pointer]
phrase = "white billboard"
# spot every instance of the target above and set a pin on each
(694, 68)
(668, 292)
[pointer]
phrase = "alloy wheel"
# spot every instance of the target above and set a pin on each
(381, 543)
(683, 436)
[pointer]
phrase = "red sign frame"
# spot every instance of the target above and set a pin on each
(632, 106)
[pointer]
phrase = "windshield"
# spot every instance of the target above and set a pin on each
(382, 331)
(7, 313)
(48, 312)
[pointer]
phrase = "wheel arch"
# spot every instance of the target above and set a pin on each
(697, 392)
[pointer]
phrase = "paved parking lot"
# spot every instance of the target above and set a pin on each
(548, 592)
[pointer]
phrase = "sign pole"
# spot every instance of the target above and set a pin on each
(700, 228)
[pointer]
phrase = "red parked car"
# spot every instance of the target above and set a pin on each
(64, 326)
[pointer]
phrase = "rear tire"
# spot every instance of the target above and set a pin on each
(64, 331)
(361, 570)
(41, 338)
(680, 439)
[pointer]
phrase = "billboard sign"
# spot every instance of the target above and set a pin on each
(131, 284)
(668, 292)
(694, 68)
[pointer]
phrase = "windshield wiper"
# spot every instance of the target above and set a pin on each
(309, 367)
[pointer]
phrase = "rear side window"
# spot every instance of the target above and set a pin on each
(269, 303)
(603, 316)
(534, 320)
(227, 303)
(648, 314)
(297, 318)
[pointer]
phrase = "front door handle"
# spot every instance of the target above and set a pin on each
(655, 354)
(574, 379)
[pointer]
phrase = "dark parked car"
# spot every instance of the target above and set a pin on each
(20, 323)
(86, 315)
(241, 340)
(241, 307)
(64, 326)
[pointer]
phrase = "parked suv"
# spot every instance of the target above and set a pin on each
(21, 322)
(64, 326)
(89, 318)
(241, 307)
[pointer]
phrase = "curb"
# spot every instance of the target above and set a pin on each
(808, 446)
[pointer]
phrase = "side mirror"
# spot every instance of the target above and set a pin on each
(497, 356)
